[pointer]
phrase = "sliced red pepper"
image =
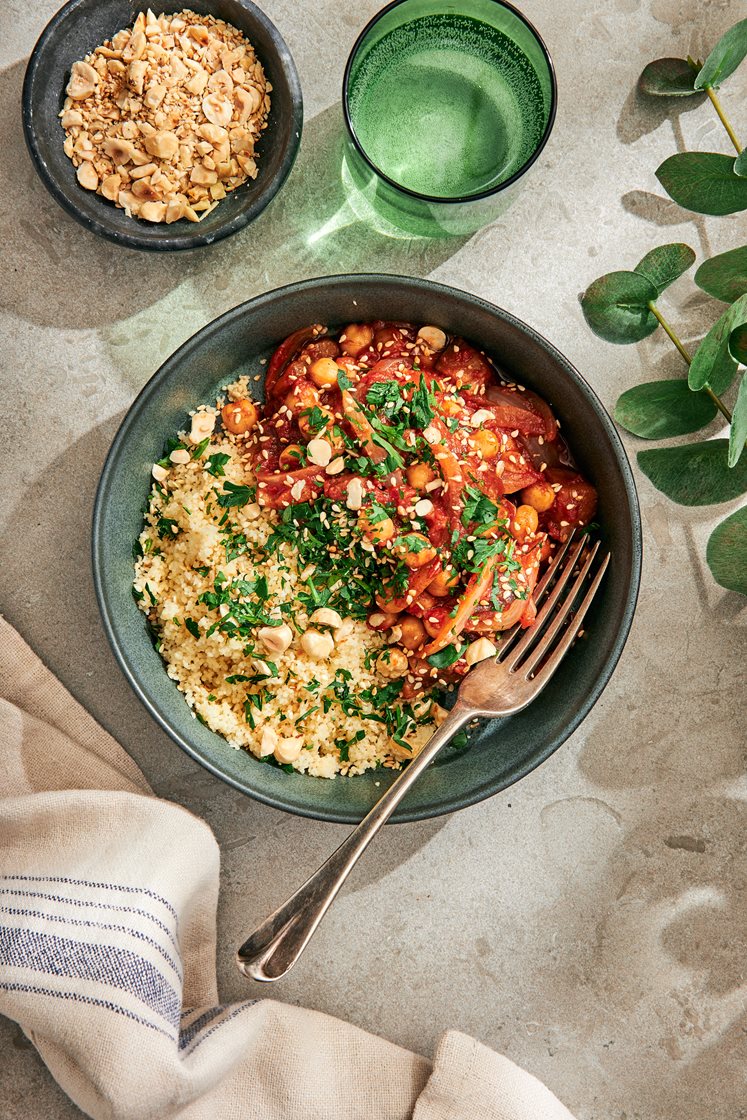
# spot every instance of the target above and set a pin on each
(287, 350)
(478, 586)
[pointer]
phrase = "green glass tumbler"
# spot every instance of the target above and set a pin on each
(447, 104)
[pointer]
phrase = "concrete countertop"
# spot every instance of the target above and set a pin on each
(590, 922)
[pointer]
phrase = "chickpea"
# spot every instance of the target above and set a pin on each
(392, 663)
(432, 628)
(323, 372)
(239, 417)
(377, 531)
(389, 602)
(416, 550)
(540, 495)
(355, 338)
(301, 396)
(382, 620)
(486, 442)
(290, 457)
(412, 631)
(444, 582)
(525, 521)
(425, 601)
(419, 475)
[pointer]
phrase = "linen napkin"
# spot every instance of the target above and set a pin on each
(107, 954)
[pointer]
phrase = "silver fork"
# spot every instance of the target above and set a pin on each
(499, 686)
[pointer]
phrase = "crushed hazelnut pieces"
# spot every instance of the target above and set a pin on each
(163, 118)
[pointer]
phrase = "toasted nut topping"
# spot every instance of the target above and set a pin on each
(289, 749)
(153, 212)
(317, 644)
(325, 616)
(203, 425)
(337, 466)
(320, 452)
(83, 81)
(110, 187)
(479, 651)
(71, 118)
(355, 494)
(432, 435)
(479, 417)
(147, 98)
(180, 455)
(217, 109)
(165, 145)
(268, 742)
(433, 337)
(159, 473)
(87, 176)
(275, 639)
(423, 507)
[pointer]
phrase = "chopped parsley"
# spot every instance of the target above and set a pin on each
(216, 463)
(236, 495)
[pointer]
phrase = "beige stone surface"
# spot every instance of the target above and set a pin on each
(590, 922)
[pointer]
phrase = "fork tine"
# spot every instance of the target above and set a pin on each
(543, 676)
(564, 609)
(534, 632)
(516, 631)
(541, 588)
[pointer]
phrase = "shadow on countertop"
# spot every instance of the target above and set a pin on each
(68, 277)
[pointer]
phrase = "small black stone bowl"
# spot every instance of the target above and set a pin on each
(81, 26)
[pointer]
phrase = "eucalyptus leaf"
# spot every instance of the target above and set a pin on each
(738, 431)
(696, 474)
(660, 409)
(724, 276)
(704, 182)
(740, 164)
(713, 364)
(727, 552)
(669, 77)
(665, 264)
(616, 307)
(725, 57)
(738, 344)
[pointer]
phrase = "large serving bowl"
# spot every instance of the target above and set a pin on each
(82, 25)
(502, 751)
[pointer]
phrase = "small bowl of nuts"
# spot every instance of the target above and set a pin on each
(162, 129)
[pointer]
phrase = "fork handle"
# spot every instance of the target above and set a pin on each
(274, 947)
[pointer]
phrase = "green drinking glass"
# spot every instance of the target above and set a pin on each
(447, 103)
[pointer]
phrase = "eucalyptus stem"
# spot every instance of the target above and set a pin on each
(688, 358)
(724, 119)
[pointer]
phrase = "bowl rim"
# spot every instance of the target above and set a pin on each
(450, 200)
(142, 241)
(140, 405)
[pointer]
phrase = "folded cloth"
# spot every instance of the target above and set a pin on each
(107, 954)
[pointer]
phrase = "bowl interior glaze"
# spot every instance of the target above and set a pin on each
(502, 751)
(82, 25)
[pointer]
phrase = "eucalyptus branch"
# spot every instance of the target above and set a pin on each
(723, 118)
(688, 358)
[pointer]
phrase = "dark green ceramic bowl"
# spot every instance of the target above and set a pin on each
(82, 25)
(503, 751)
